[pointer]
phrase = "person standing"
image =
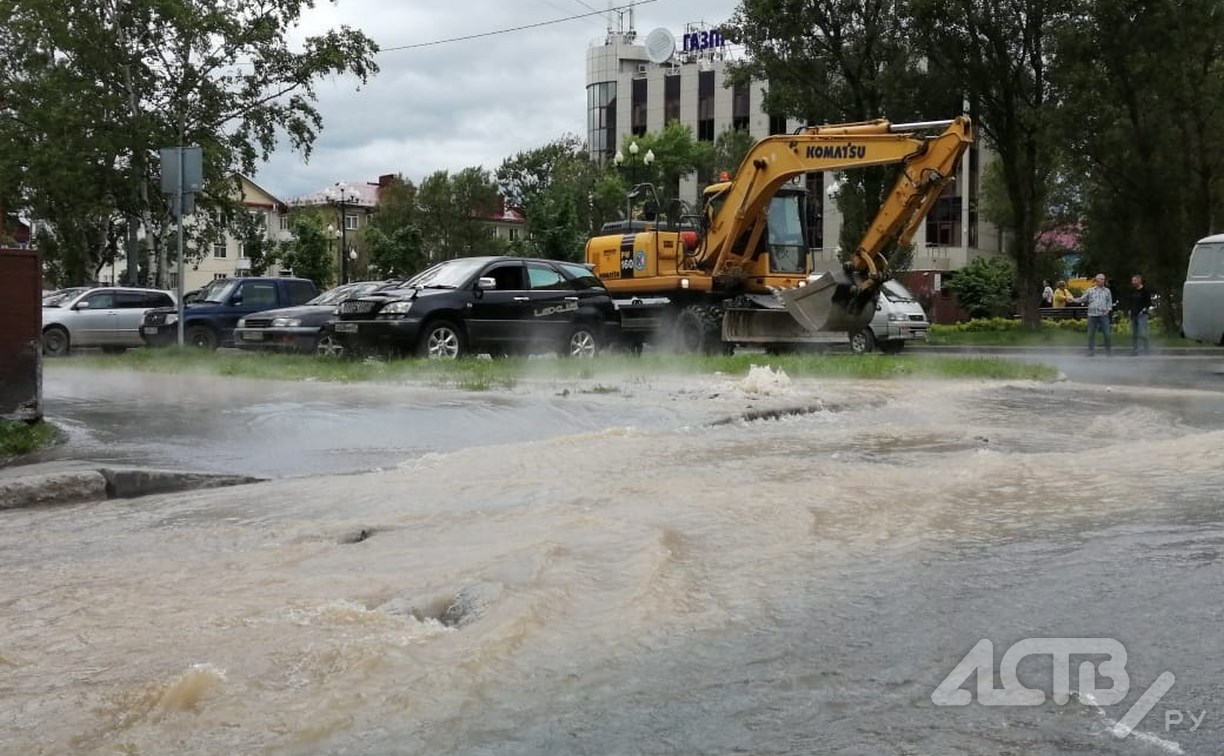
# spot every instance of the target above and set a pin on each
(1062, 295)
(1140, 308)
(1100, 304)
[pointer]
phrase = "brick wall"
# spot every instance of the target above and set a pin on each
(20, 334)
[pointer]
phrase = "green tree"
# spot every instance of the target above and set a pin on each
(559, 189)
(455, 213)
(999, 56)
(729, 150)
(251, 231)
(984, 287)
(1142, 89)
(676, 154)
(308, 253)
(91, 95)
(392, 238)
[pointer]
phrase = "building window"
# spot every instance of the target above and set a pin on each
(242, 250)
(777, 124)
(220, 276)
(219, 250)
(638, 112)
(740, 112)
(514, 234)
(705, 106)
(601, 118)
(350, 221)
(671, 98)
(284, 222)
(943, 222)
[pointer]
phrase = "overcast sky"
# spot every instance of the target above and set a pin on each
(459, 104)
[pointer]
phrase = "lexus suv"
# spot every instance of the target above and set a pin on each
(494, 305)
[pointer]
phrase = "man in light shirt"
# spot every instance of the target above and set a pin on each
(1100, 304)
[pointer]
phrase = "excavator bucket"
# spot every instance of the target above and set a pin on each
(831, 302)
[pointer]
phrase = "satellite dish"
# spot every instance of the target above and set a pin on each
(660, 45)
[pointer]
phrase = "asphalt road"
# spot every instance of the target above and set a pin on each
(1197, 369)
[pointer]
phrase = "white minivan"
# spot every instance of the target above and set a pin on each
(899, 318)
(1203, 292)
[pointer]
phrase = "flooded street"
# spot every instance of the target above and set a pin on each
(633, 567)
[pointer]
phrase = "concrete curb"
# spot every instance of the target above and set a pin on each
(55, 484)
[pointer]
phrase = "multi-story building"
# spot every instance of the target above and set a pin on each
(226, 257)
(635, 86)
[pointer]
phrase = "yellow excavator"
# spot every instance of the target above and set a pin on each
(738, 273)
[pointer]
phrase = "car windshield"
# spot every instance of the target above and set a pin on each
(897, 293)
(347, 291)
(58, 298)
(446, 275)
(218, 291)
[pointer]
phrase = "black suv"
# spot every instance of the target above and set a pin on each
(473, 305)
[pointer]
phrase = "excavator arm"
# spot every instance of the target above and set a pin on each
(837, 300)
(928, 165)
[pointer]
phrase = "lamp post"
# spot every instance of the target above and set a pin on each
(619, 160)
(342, 195)
(333, 235)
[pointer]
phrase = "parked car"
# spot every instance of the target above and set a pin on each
(209, 321)
(108, 317)
(899, 318)
(494, 305)
(299, 329)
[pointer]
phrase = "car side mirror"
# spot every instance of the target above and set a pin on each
(486, 282)
(84, 305)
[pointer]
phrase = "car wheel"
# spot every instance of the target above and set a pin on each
(862, 342)
(330, 346)
(582, 342)
(55, 342)
(201, 337)
(442, 340)
(892, 346)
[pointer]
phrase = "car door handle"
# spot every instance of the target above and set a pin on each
(522, 299)
(571, 299)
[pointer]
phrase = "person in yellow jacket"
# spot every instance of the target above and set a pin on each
(1062, 295)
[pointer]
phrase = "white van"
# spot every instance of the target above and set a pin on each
(1203, 292)
(898, 319)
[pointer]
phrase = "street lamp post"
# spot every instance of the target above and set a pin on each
(342, 195)
(619, 160)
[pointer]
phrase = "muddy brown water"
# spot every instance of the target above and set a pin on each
(679, 581)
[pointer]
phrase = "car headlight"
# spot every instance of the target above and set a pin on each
(172, 318)
(242, 322)
(286, 322)
(398, 308)
(897, 316)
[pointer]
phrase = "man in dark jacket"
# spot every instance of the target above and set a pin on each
(1140, 305)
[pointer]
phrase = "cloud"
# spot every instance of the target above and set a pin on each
(459, 104)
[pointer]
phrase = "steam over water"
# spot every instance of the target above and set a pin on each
(796, 584)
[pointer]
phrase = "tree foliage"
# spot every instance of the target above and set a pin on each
(1143, 123)
(392, 238)
(309, 253)
(984, 287)
(455, 212)
(92, 93)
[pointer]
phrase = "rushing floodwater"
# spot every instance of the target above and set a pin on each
(793, 585)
